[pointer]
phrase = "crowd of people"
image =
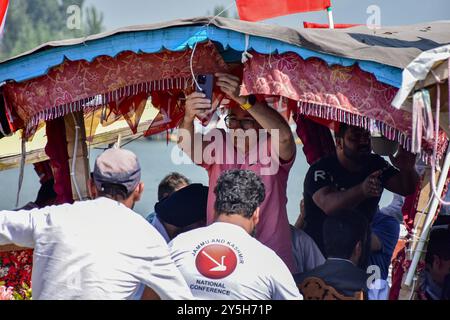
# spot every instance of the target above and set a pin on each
(231, 239)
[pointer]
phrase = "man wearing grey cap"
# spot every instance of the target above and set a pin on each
(97, 249)
(117, 175)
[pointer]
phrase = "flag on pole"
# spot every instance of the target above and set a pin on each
(313, 25)
(3, 11)
(255, 10)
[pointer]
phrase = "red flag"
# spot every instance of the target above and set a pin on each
(3, 11)
(312, 25)
(255, 10)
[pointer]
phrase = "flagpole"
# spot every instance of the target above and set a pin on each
(330, 17)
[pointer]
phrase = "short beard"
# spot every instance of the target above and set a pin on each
(354, 156)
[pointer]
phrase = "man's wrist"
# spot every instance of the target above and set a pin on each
(188, 119)
(240, 100)
(248, 103)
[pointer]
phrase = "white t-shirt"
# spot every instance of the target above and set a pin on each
(96, 249)
(222, 261)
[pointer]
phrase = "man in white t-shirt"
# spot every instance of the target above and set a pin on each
(223, 261)
(98, 249)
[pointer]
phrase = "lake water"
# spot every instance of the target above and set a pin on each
(155, 158)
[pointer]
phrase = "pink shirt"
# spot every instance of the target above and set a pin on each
(273, 228)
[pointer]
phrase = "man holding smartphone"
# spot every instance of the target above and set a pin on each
(354, 178)
(250, 117)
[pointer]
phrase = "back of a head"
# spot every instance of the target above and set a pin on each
(184, 207)
(342, 232)
(438, 245)
(171, 183)
(117, 173)
(239, 192)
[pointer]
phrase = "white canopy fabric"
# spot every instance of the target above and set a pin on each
(422, 72)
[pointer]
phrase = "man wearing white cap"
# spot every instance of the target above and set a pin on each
(97, 249)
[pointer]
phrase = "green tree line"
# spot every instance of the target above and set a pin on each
(30, 23)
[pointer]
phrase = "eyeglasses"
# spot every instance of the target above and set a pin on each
(232, 123)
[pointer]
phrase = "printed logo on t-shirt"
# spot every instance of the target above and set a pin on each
(216, 261)
(319, 174)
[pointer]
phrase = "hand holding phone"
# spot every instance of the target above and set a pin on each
(206, 84)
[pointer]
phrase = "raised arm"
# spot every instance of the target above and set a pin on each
(266, 116)
(330, 200)
(405, 181)
(196, 104)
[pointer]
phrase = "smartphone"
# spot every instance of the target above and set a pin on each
(206, 84)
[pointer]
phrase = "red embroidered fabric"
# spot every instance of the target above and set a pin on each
(338, 93)
(76, 85)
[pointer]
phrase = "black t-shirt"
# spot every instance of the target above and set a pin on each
(328, 172)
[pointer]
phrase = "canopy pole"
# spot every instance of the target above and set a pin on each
(330, 17)
(22, 169)
(78, 153)
(429, 220)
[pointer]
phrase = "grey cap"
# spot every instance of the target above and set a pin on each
(117, 166)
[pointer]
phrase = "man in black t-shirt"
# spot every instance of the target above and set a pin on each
(354, 178)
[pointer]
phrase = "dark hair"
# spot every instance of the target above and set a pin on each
(46, 193)
(114, 191)
(343, 127)
(341, 233)
(238, 192)
(439, 245)
(170, 183)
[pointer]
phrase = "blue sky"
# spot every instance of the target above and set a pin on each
(119, 13)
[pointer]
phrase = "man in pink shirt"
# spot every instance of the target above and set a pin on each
(259, 140)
